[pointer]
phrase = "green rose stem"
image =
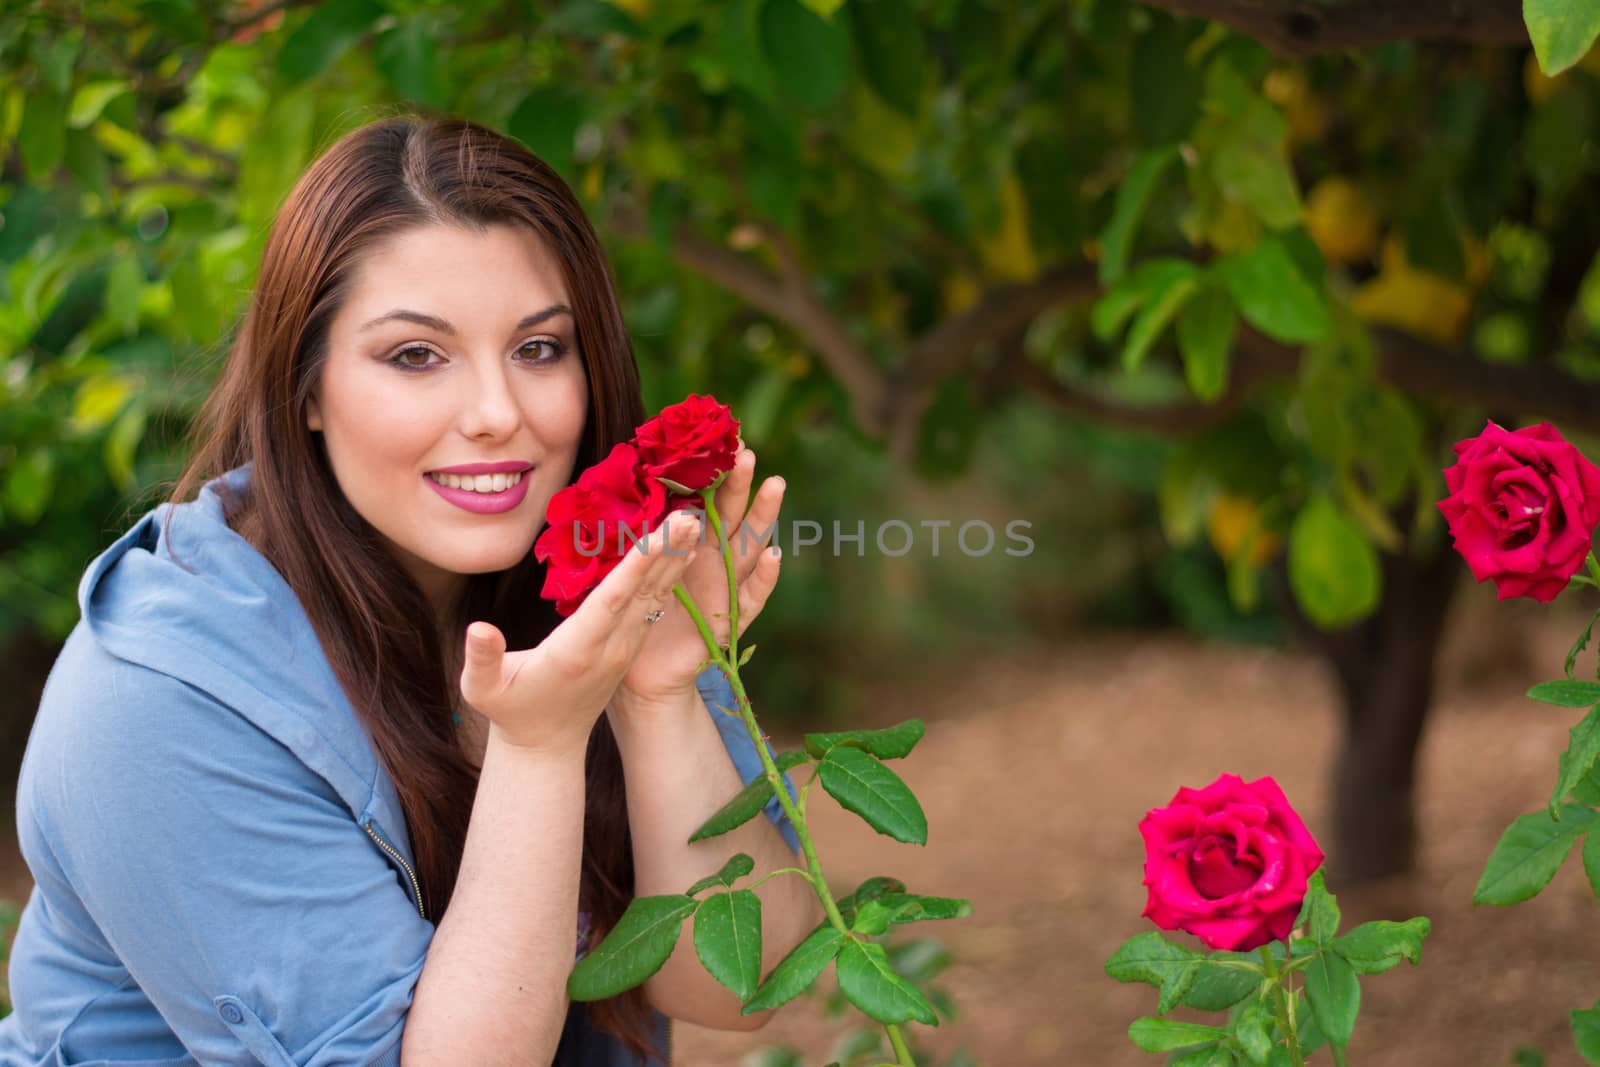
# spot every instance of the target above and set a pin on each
(1280, 1003)
(1594, 569)
(729, 663)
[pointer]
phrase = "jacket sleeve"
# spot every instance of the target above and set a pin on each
(716, 691)
(238, 890)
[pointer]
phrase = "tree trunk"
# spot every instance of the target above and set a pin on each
(1384, 668)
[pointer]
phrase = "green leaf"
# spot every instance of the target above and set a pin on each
(1205, 338)
(747, 803)
(1586, 1032)
(1150, 279)
(327, 34)
(745, 654)
(1580, 644)
(90, 99)
(891, 742)
(1273, 294)
(1166, 1035)
(1334, 993)
(635, 948)
(1583, 749)
(1333, 568)
(1116, 240)
(865, 786)
(727, 938)
(547, 121)
(1153, 318)
(798, 969)
(871, 919)
(1319, 911)
(124, 282)
(737, 867)
(1562, 31)
(1153, 960)
(1528, 855)
(122, 444)
(894, 53)
(1257, 174)
(98, 401)
(29, 485)
(810, 55)
(1591, 862)
(1374, 947)
(408, 59)
(911, 907)
(875, 888)
(1567, 694)
(1205, 1056)
(1252, 1029)
(1218, 987)
(867, 980)
(42, 136)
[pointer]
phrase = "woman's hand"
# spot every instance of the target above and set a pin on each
(548, 697)
(665, 671)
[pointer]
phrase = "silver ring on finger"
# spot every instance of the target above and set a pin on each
(654, 616)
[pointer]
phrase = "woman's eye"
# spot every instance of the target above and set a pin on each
(553, 350)
(403, 357)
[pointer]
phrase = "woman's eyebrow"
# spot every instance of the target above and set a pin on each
(433, 322)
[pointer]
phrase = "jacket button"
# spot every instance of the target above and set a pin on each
(231, 1014)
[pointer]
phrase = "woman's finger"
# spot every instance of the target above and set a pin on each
(757, 589)
(758, 527)
(481, 667)
(733, 495)
(646, 569)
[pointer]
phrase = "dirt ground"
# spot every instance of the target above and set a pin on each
(1037, 767)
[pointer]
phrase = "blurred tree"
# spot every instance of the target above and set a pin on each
(895, 217)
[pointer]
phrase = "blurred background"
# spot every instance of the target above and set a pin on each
(1201, 291)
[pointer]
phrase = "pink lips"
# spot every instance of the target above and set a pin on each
(483, 503)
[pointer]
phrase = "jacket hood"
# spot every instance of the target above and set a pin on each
(183, 594)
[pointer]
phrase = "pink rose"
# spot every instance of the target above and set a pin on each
(1228, 863)
(1523, 507)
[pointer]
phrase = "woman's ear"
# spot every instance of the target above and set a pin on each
(313, 415)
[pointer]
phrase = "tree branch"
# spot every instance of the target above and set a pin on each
(787, 297)
(1303, 27)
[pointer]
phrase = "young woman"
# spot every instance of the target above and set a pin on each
(320, 778)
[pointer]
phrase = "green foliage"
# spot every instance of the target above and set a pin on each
(1255, 988)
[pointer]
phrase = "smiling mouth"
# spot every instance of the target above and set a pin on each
(478, 483)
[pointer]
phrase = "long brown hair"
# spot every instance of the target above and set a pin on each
(373, 621)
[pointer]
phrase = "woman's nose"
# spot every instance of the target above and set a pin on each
(490, 410)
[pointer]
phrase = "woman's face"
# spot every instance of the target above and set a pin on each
(454, 352)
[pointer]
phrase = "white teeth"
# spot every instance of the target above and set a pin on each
(482, 483)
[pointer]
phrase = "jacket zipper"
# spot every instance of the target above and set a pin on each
(668, 1060)
(416, 886)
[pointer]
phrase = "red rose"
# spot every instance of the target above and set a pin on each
(585, 524)
(1228, 863)
(1523, 507)
(690, 444)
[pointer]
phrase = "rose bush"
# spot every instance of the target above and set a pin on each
(1234, 865)
(1229, 863)
(1523, 507)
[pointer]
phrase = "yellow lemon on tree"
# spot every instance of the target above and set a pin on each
(1341, 220)
(1230, 518)
(1418, 301)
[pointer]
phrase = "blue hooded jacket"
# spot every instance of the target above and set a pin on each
(221, 864)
